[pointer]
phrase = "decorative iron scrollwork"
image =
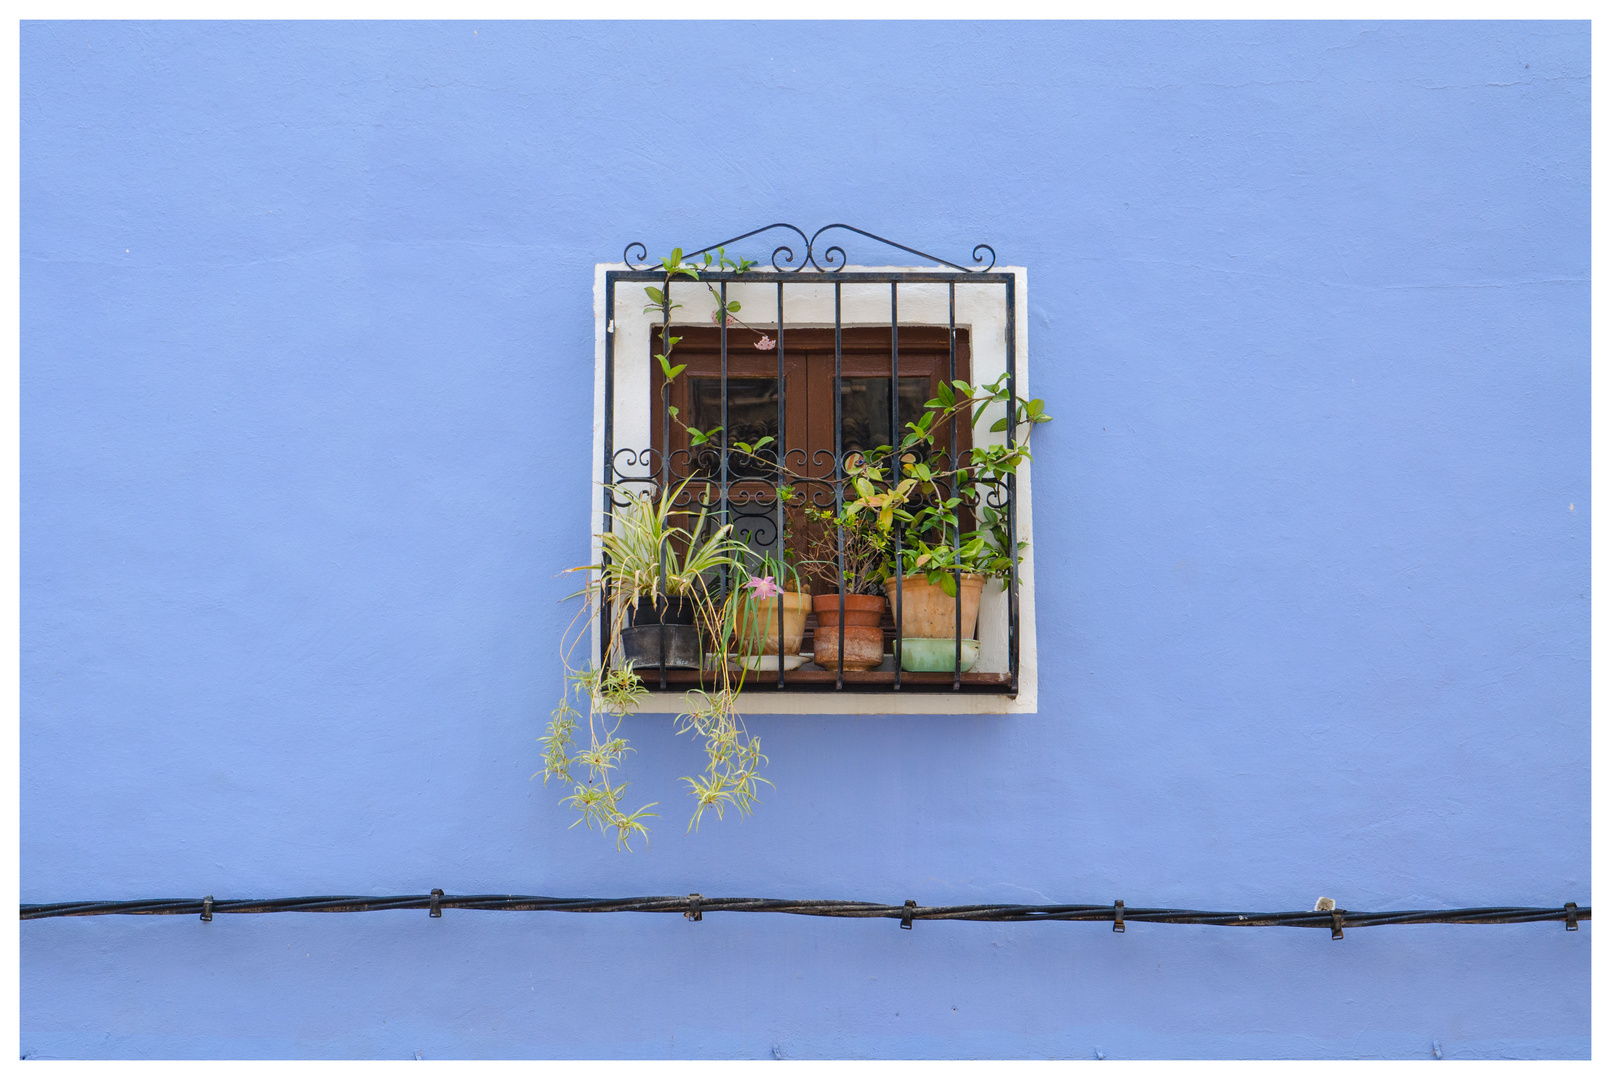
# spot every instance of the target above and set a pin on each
(832, 257)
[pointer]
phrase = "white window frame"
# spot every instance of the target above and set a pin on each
(809, 304)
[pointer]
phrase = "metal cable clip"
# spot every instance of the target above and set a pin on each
(436, 903)
(693, 914)
(1571, 916)
(1118, 916)
(207, 909)
(906, 918)
(1336, 924)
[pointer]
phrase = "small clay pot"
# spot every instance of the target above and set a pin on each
(926, 612)
(764, 621)
(864, 637)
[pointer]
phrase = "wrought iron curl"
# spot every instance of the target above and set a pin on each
(788, 253)
(995, 493)
(635, 459)
(829, 252)
(620, 493)
(741, 497)
(706, 464)
(684, 459)
(830, 259)
(822, 494)
(852, 460)
(764, 534)
(824, 458)
(686, 499)
(709, 464)
(816, 491)
(781, 248)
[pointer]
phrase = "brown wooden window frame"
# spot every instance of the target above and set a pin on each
(864, 352)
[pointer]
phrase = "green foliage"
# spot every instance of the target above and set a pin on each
(606, 693)
(915, 509)
(733, 756)
(647, 556)
(665, 366)
(904, 500)
(601, 695)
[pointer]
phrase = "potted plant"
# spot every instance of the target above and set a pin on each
(857, 540)
(938, 559)
(659, 576)
(651, 569)
(758, 603)
(928, 609)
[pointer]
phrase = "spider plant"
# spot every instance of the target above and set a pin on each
(646, 555)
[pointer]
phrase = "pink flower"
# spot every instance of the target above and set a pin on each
(766, 344)
(764, 587)
(716, 317)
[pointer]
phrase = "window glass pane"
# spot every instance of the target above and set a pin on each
(752, 415)
(864, 408)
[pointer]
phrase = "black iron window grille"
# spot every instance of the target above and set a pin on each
(750, 389)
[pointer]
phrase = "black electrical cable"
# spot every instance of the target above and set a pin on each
(694, 906)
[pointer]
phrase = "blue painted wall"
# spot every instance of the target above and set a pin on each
(306, 385)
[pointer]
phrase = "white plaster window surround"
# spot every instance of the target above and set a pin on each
(979, 309)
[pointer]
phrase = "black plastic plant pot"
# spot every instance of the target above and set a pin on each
(671, 610)
(642, 645)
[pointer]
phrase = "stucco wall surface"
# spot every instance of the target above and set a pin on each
(306, 384)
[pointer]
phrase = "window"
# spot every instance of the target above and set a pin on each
(865, 410)
(636, 445)
(752, 389)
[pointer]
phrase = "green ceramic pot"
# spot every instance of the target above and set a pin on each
(937, 654)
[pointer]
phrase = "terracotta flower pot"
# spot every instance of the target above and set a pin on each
(864, 637)
(926, 612)
(765, 621)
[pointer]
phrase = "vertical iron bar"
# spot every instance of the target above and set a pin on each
(956, 670)
(839, 476)
(1012, 484)
(783, 455)
(665, 463)
(895, 466)
(609, 455)
(721, 321)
